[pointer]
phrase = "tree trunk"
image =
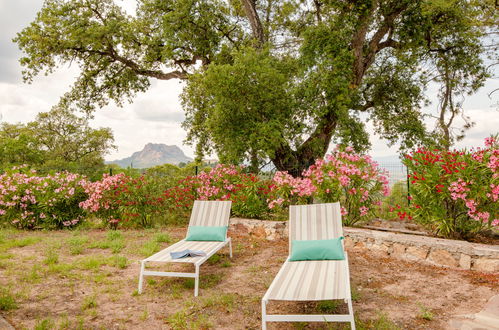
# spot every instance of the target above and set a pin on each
(296, 161)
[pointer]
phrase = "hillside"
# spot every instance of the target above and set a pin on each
(153, 154)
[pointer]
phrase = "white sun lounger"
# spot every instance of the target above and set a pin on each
(204, 213)
(311, 280)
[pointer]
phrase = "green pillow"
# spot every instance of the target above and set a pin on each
(325, 249)
(206, 233)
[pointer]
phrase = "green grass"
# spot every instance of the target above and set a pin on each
(33, 275)
(214, 259)
(92, 262)
(7, 301)
(205, 281)
(113, 235)
(382, 322)
(178, 320)
(149, 248)
(328, 306)
(223, 301)
(45, 324)
(425, 313)
(51, 257)
(77, 244)
(61, 269)
(119, 262)
(162, 238)
(18, 242)
(89, 302)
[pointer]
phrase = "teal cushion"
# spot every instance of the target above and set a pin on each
(325, 249)
(206, 233)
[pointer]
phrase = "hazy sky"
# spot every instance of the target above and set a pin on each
(156, 115)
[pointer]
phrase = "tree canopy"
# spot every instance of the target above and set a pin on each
(270, 79)
(55, 140)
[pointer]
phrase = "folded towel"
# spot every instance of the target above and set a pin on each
(186, 254)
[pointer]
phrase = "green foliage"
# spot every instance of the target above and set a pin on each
(282, 90)
(56, 140)
(34, 201)
(455, 192)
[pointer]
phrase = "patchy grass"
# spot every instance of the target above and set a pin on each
(89, 302)
(45, 324)
(328, 306)
(149, 248)
(425, 313)
(119, 261)
(77, 244)
(51, 257)
(7, 301)
(7, 244)
(214, 259)
(92, 275)
(162, 238)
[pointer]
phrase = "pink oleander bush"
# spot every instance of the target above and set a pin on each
(31, 201)
(455, 193)
(121, 199)
(354, 180)
(247, 191)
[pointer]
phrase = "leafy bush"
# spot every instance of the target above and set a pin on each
(30, 201)
(354, 180)
(455, 193)
(395, 205)
(223, 182)
(122, 199)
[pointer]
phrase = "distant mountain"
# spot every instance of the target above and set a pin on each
(153, 154)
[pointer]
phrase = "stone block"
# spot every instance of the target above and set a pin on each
(465, 261)
(416, 253)
(398, 249)
(486, 265)
(442, 258)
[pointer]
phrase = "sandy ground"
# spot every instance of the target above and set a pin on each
(54, 286)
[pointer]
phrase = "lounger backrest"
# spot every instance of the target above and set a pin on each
(210, 213)
(315, 221)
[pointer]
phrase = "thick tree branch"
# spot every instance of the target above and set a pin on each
(158, 74)
(254, 19)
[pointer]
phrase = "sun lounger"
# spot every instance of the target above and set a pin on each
(311, 279)
(204, 213)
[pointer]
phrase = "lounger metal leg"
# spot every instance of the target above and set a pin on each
(196, 282)
(350, 311)
(264, 315)
(141, 276)
(230, 248)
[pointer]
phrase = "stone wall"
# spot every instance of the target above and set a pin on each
(430, 250)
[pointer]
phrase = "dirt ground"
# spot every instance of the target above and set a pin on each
(88, 279)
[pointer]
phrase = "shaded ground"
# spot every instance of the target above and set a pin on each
(88, 279)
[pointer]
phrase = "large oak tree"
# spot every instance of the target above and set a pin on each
(266, 79)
